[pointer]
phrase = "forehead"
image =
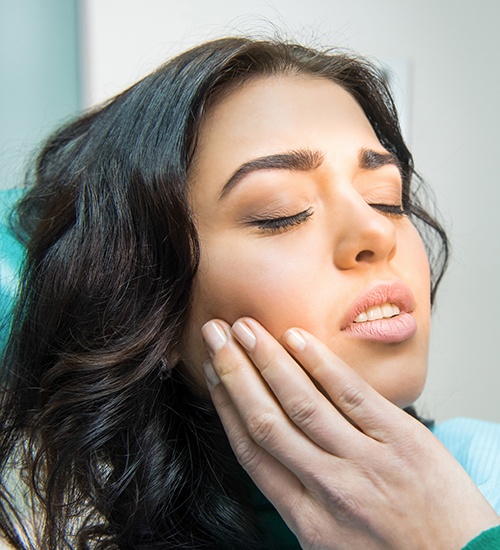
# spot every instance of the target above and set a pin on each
(274, 100)
(272, 114)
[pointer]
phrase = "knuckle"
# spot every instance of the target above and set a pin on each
(339, 497)
(302, 410)
(318, 363)
(308, 536)
(247, 453)
(227, 364)
(347, 508)
(267, 362)
(350, 399)
(262, 426)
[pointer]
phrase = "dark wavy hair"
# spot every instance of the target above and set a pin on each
(100, 438)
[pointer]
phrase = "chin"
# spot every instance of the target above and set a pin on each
(404, 395)
(400, 377)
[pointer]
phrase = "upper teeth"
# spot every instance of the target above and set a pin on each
(378, 312)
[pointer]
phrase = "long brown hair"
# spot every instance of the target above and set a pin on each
(92, 416)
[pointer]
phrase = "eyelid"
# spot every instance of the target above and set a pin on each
(382, 191)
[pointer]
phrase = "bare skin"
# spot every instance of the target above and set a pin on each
(348, 471)
(314, 415)
(297, 246)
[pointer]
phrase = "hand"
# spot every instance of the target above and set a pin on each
(344, 467)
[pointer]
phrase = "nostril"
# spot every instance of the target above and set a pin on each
(365, 256)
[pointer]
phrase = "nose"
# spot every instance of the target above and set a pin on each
(363, 235)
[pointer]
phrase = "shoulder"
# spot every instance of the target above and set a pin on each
(476, 446)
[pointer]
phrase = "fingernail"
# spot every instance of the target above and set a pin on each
(295, 340)
(210, 374)
(244, 335)
(214, 336)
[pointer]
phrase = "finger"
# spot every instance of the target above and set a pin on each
(302, 401)
(372, 413)
(278, 484)
(260, 413)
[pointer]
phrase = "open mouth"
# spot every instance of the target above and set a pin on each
(383, 313)
(374, 313)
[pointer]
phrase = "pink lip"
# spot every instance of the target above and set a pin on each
(394, 330)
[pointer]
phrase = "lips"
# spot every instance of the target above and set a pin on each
(394, 328)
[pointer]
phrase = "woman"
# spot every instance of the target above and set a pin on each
(242, 178)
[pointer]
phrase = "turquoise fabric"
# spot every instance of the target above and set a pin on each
(11, 256)
(476, 445)
(487, 540)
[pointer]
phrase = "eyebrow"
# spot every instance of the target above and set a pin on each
(302, 160)
(373, 160)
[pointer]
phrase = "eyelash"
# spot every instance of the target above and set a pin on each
(282, 223)
(285, 222)
(396, 210)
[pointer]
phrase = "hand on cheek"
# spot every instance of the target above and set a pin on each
(342, 470)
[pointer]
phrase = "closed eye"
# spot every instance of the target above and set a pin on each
(391, 209)
(281, 223)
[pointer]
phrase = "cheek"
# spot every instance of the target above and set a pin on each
(269, 286)
(294, 285)
(415, 269)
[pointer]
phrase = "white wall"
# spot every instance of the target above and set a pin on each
(452, 47)
(40, 85)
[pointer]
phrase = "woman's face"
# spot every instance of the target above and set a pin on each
(286, 175)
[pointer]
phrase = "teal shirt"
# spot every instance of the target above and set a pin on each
(476, 445)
